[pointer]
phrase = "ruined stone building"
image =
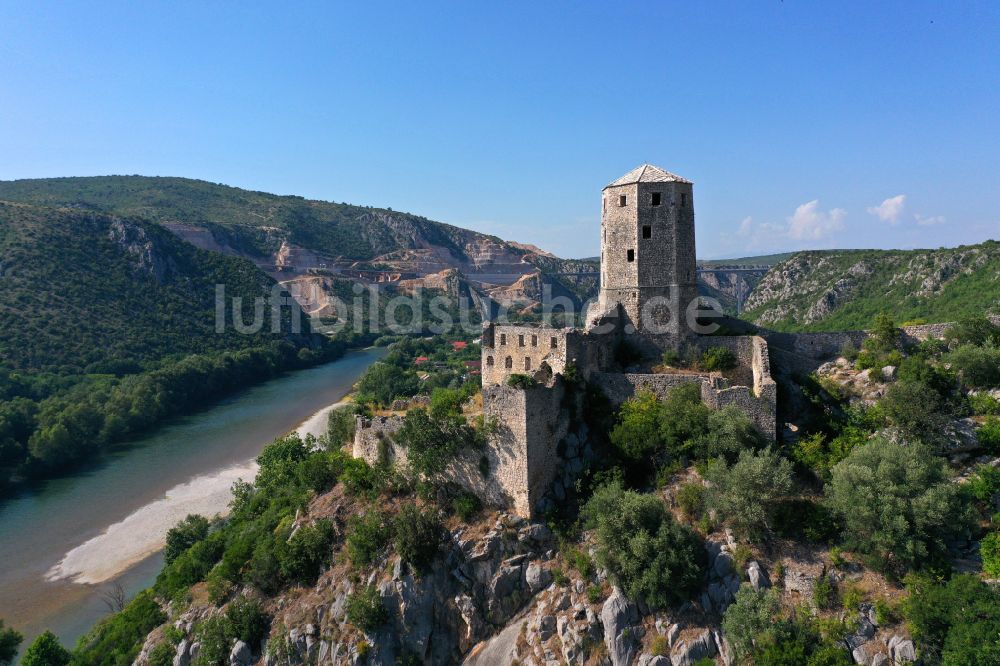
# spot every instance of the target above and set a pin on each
(647, 305)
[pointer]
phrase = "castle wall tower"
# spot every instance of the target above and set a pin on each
(647, 250)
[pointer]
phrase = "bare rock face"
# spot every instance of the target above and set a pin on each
(687, 652)
(134, 240)
(620, 617)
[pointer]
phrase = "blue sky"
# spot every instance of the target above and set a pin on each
(802, 124)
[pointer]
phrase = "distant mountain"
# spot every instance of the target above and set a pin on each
(87, 292)
(295, 239)
(845, 289)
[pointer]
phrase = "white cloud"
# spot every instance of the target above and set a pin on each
(890, 209)
(746, 227)
(928, 221)
(811, 223)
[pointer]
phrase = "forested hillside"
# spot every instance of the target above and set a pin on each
(108, 325)
(843, 290)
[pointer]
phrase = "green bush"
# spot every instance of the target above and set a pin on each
(824, 593)
(896, 503)
(307, 552)
(162, 654)
(46, 651)
(9, 642)
(979, 367)
(213, 634)
(418, 536)
(984, 404)
(185, 534)
(340, 426)
(956, 623)
(988, 434)
(431, 443)
(643, 549)
(361, 479)
(365, 609)
(466, 506)
(247, 621)
(989, 549)
(116, 640)
(751, 614)
(745, 493)
(691, 499)
(718, 359)
(978, 331)
(367, 537)
(984, 483)
(521, 381)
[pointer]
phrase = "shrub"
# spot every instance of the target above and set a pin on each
(744, 494)
(595, 594)
(896, 502)
(989, 549)
(46, 651)
(659, 646)
(956, 623)
(307, 552)
(9, 642)
(559, 577)
(466, 506)
(248, 621)
(988, 434)
(360, 478)
(340, 426)
(365, 609)
(717, 359)
(853, 598)
(214, 636)
(520, 381)
(580, 561)
(431, 443)
(162, 654)
(751, 614)
(824, 594)
(984, 404)
(418, 535)
(984, 483)
(978, 331)
(916, 409)
(979, 367)
(367, 537)
(691, 499)
(183, 535)
(671, 358)
(646, 552)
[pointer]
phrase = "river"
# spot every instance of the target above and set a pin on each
(66, 543)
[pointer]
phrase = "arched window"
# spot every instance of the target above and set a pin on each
(508, 363)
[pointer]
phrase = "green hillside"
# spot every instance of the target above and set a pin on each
(840, 290)
(253, 222)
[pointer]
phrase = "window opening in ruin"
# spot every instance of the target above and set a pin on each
(554, 343)
(508, 363)
(534, 341)
(520, 341)
(489, 361)
(527, 364)
(630, 255)
(622, 200)
(655, 199)
(647, 231)
(503, 338)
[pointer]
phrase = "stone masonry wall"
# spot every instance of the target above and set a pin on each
(507, 350)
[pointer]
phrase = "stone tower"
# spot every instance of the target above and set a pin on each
(647, 250)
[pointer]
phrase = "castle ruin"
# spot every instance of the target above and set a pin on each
(648, 305)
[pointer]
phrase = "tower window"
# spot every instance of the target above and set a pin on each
(534, 340)
(656, 199)
(554, 343)
(622, 200)
(630, 255)
(503, 339)
(527, 363)
(520, 341)
(489, 361)
(508, 363)
(647, 231)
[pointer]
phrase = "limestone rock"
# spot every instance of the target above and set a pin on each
(240, 655)
(619, 616)
(650, 660)
(757, 577)
(686, 653)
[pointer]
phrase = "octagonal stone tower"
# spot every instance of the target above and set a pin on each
(647, 250)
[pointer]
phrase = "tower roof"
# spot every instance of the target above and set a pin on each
(647, 173)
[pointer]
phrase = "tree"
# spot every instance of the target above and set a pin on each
(916, 409)
(431, 443)
(646, 552)
(956, 623)
(183, 535)
(637, 433)
(248, 621)
(46, 651)
(367, 537)
(751, 614)
(746, 492)
(9, 642)
(418, 536)
(365, 610)
(989, 549)
(384, 382)
(895, 502)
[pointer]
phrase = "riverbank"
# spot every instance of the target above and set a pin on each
(69, 540)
